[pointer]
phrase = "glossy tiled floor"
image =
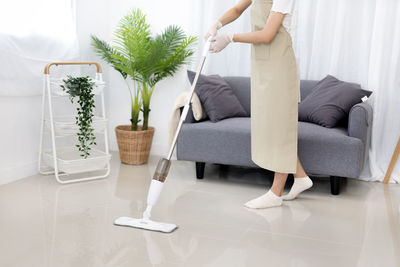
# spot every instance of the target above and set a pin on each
(43, 223)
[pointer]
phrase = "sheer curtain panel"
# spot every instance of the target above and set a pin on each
(33, 33)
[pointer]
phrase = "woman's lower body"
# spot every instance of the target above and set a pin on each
(275, 94)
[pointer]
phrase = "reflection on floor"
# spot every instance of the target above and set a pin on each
(43, 223)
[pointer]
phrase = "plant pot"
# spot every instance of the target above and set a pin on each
(134, 146)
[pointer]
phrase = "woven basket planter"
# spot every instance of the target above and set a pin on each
(134, 146)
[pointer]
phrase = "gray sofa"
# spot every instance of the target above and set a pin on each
(335, 152)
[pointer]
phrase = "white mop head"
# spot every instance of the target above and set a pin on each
(146, 224)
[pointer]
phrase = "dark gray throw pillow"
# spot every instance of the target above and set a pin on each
(330, 101)
(217, 97)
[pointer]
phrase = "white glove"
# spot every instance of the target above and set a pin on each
(218, 43)
(213, 30)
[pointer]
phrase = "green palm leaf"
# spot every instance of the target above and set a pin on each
(145, 59)
(107, 54)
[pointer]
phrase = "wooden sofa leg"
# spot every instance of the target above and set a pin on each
(335, 185)
(200, 169)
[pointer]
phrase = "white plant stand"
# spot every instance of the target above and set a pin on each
(65, 160)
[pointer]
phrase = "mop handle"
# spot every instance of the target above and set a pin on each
(189, 99)
(196, 78)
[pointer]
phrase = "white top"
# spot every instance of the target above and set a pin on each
(285, 7)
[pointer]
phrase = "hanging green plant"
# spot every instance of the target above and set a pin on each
(82, 87)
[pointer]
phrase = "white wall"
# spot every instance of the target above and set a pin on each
(19, 137)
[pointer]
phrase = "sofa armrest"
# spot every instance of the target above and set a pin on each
(360, 120)
(360, 124)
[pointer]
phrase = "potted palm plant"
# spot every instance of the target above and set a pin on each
(142, 60)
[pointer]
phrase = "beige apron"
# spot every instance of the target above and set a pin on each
(275, 93)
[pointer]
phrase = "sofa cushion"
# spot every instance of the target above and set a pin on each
(241, 87)
(225, 142)
(306, 87)
(217, 97)
(330, 101)
(329, 151)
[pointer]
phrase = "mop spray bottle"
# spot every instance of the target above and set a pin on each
(159, 177)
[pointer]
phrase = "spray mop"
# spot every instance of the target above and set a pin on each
(161, 172)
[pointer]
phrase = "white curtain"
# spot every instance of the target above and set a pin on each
(384, 80)
(32, 34)
(356, 41)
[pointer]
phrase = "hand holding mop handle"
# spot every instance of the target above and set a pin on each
(163, 165)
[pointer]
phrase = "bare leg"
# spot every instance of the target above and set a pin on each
(280, 178)
(301, 182)
(300, 170)
(279, 183)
